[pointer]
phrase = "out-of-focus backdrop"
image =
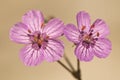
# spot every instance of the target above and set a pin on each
(11, 11)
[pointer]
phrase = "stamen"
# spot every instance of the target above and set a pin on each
(92, 26)
(90, 34)
(98, 34)
(82, 32)
(47, 37)
(83, 28)
(96, 39)
(87, 38)
(62, 34)
(29, 31)
(39, 42)
(42, 25)
(35, 38)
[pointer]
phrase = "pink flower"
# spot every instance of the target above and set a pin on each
(40, 38)
(90, 40)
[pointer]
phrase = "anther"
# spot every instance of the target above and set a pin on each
(81, 32)
(83, 27)
(98, 34)
(90, 34)
(47, 37)
(29, 31)
(92, 26)
(42, 25)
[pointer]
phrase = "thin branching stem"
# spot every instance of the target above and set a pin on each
(64, 66)
(78, 70)
(76, 73)
(69, 63)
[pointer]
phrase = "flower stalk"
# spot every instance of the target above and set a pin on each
(76, 73)
(64, 66)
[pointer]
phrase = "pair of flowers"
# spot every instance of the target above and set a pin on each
(42, 41)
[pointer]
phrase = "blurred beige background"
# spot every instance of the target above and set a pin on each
(11, 11)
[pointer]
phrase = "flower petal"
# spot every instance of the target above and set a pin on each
(34, 20)
(100, 27)
(102, 48)
(54, 50)
(84, 54)
(54, 28)
(72, 33)
(30, 56)
(83, 20)
(18, 33)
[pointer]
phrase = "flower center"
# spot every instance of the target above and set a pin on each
(39, 40)
(88, 40)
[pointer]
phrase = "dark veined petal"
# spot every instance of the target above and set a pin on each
(30, 56)
(83, 20)
(100, 27)
(18, 33)
(84, 54)
(54, 28)
(54, 50)
(102, 48)
(34, 20)
(72, 33)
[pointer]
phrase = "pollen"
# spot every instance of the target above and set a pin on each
(40, 42)
(92, 26)
(35, 38)
(47, 37)
(87, 38)
(98, 34)
(83, 28)
(29, 31)
(42, 25)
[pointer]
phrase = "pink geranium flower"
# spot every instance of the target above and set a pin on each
(90, 40)
(40, 38)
